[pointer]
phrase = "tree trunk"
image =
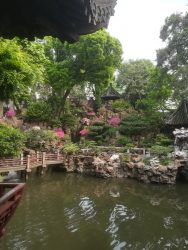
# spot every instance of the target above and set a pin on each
(67, 92)
(1, 109)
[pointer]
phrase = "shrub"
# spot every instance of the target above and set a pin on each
(97, 129)
(68, 121)
(120, 105)
(55, 123)
(163, 140)
(138, 124)
(43, 140)
(39, 112)
(124, 140)
(160, 150)
(11, 141)
(165, 161)
(70, 148)
(114, 121)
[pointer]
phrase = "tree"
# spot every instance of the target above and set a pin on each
(93, 60)
(133, 79)
(158, 92)
(174, 57)
(18, 71)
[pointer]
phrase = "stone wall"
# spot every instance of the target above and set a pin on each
(121, 165)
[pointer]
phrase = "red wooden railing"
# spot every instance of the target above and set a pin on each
(31, 161)
(10, 195)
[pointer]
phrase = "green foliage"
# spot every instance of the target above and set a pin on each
(165, 161)
(11, 141)
(133, 79)
(163, 140)
(55, 123)
(160, 150)
(108, 133)
(42, 140)
(99, 123)
(159, 90)
(137, 124)
(121, 105)
(174, 57)
(97, 129)
(92, 134)
(90, 144)
(101, 132)
(92, 61)
(69, 121)
(124, 140)
(18, 71)
(70, 148)
(39, 111)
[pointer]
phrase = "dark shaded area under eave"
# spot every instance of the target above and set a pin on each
(110, 94)
(180, 117)
(65, 19)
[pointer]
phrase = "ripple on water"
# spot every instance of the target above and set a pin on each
(119, 214)
(168, 222)
(87, 208)
(84, 211)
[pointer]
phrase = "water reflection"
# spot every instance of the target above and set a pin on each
(87, 208)
(71, 212)
(119, 215)
(84, 211)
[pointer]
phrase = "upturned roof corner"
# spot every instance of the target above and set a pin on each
(65, 19)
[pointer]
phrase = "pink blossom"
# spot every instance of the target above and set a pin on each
(10, 113)
(59, 132)
(84, 132)
(114, 121)
(86, 121)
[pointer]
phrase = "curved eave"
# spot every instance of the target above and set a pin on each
(180, 116)
(65, 19)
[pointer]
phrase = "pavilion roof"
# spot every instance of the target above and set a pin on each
(110, 94)
(180, 116)
(65, 19)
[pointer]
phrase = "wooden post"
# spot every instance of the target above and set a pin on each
(28, 164)
(37, 155)
(21, 159)
(43, 159)
(58, 155)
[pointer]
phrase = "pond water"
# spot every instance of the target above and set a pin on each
(62, 211)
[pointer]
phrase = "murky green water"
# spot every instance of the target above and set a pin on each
(70, 212)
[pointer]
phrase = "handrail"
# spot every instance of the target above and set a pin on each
(17, 187)
(30, 161)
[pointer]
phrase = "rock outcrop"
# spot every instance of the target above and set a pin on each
(121, 165)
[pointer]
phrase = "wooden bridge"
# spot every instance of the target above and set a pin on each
(27, 163)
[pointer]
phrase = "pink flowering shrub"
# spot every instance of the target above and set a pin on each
(59, 132)
(10, 113)
(114, 121)
(84, 132)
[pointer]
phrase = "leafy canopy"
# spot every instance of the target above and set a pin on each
(174, 57)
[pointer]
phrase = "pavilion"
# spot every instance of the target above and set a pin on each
(110, 94)
(180, 117)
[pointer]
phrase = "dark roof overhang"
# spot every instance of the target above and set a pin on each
(65, 19)
(180, 116)
(110, 94)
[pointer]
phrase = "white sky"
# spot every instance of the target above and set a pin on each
(137, 25)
